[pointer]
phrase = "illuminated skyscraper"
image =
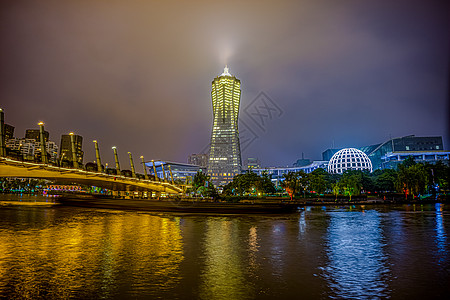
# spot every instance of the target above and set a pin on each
(225, 152)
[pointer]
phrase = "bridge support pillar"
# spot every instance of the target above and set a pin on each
(116, 158)
(145, 169)
(154, 171)
(171, 175)
(133, 172)
(43, 144)
(164, 172)
(97, 157)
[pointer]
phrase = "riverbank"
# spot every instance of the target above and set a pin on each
(179, 205)
(278, 205)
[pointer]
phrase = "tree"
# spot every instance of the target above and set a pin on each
(304, 181)
(350, 183)
(202, 186)
(439, 176)
(385, 180)
(249, 183)
(290, 183)
(319, 180)
(412, 178)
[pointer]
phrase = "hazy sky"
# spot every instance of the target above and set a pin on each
(137, 74)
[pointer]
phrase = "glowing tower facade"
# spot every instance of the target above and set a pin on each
(225, 153)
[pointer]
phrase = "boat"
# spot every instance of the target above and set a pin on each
(177, 205)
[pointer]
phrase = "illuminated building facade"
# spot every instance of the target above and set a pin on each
(225, 154)
(198, 160)
(411, 145)
(30, 149)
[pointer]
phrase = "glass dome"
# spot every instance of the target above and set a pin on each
(349, 159)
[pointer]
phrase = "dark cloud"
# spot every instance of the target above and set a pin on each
(137, 74)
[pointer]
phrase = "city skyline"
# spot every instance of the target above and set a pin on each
(351, 74)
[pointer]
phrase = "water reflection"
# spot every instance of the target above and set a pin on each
(360, 252)
(441, 236)
(88, 255)
(253, 249)
(354, 247)
(223, 273)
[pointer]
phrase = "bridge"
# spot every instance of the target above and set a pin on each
(13, 168)
(54, 171)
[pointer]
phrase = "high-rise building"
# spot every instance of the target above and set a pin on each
(225, 153)
(9, 131)
(198, 160)
(35, 135)
(66, 148)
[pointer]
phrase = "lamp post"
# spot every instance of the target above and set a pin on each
(97, 157)
(42, 140)
(145, 169)
(171, 175)
(133, 173)
(164, 172)
(74, 151)
(116, 158)
(154, 171)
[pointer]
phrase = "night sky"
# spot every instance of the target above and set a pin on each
(137, 74)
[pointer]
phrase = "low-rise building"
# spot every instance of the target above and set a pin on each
(180, 171)
(276, 173)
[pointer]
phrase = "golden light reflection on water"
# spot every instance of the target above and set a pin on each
(253, 249)
(89, 253)
(223, 275)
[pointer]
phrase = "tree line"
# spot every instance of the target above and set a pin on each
(410, 179)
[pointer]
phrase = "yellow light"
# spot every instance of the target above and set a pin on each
(95, 141)
(41, 123)
(142, 156)
(71, 133)
(113, 147)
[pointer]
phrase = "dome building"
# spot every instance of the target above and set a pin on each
(349, 159)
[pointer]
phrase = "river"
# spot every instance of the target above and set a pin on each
(48, 251)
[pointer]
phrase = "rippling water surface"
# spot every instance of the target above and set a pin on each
(54, 252)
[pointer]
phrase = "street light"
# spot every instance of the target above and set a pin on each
(145, 169)
(42, 140)
(97, 156)
(116, 158)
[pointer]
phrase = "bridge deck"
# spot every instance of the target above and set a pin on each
(13, 168)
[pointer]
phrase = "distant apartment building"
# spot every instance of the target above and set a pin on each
(9, 131)
(30, 149)
(198, 160)
(65, 150)
(35, 134)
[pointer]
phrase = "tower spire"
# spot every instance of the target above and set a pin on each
(226, 71)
